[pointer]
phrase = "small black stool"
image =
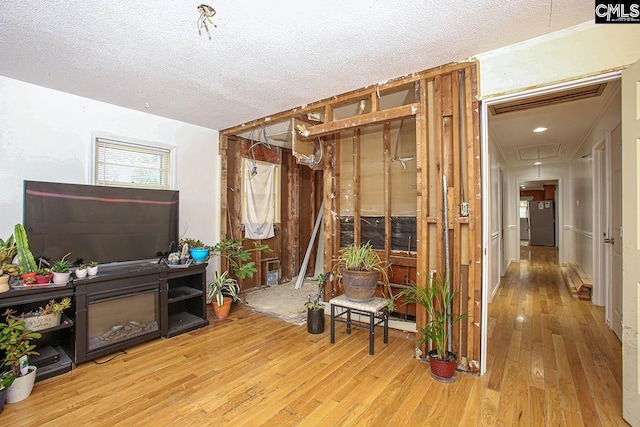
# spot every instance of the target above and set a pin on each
(376, 309)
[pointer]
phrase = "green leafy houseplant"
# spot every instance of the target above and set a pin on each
(360, 267)
(436, 297)
(238, 256)
(15, 341)
(222, 285)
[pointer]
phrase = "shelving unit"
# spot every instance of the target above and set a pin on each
(183, 293)
(57, 344)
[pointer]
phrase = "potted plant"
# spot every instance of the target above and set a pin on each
(436, 297)
(222, 291)
(92, 268)
(81, 271)
(360, 268)
(240, 264)
(8, 251)
(61, 270)
(15, 341)
(6, 379)
(43, 274)
(26, 261)
(315, 315)
(199, 251)
(44, 317)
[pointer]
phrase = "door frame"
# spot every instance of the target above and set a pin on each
(485, 103)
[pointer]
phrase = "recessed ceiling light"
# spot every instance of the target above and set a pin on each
(537, 163)
(539, 129)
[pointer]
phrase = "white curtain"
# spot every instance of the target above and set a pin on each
(259, 215)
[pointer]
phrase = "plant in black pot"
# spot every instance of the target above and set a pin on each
(15, 342)
(437, 298)
(315, 315)
(360, 268)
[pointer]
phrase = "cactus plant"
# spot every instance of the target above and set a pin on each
(25, 257)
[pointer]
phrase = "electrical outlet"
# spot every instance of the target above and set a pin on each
(464, 209)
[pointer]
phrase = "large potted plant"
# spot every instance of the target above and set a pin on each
(437, 298)
(240, 267)
(360, 268)
(222, 291)
(15, 342)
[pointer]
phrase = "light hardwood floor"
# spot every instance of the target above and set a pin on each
(552, 361)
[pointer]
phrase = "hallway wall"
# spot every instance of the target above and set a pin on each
(496, 162)
(582, 215)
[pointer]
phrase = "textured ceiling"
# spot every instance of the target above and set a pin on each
(264, 56)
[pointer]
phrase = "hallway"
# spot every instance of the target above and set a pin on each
(551, 358)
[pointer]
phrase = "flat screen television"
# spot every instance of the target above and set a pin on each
(97, 223)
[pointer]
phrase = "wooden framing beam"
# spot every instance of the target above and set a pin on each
(357, 223)
(396, 113)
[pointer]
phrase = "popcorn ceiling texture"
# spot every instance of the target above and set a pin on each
(264, 56)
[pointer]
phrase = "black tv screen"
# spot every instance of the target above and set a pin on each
(96, 223)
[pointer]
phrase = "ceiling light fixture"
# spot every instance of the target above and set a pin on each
(540, 129)
(206, 13)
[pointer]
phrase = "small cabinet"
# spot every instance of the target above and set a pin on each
(57, 344)
(183, 295)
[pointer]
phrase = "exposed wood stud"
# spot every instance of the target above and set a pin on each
(357, 224)
(386, 142)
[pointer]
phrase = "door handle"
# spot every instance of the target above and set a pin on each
(611, 240)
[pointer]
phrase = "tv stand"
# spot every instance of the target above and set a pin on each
(124, 305)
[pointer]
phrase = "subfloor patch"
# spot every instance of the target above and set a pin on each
(283, 301)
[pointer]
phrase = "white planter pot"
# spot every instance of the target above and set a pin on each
(4, 283)
(81, 274)
(45, 321)
(92, 271)
(61, 278)
(22, 386)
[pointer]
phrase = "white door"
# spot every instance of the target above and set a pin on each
(631, 247)
(614, 238)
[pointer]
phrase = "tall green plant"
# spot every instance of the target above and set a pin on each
(436, 297)
(25, 258)
(238, 256)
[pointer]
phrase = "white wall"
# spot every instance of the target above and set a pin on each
(566, 55)
(496, 163)
(583, 50)
(46, 135)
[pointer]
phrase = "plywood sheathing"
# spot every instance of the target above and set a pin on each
(447, 143)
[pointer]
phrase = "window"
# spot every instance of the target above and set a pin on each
(124, 164)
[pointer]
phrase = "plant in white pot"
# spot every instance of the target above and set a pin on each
(436, 296)
(81, 271)
(15, 342)
(61, 270)
(360, 268)
(92, 268)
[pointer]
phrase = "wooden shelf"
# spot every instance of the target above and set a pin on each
(181, 293)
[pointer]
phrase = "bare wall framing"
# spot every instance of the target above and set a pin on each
(300, 197)
(446, 111)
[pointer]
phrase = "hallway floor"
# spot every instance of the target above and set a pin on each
(552, 360)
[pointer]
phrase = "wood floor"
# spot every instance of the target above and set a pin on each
(552, 362)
